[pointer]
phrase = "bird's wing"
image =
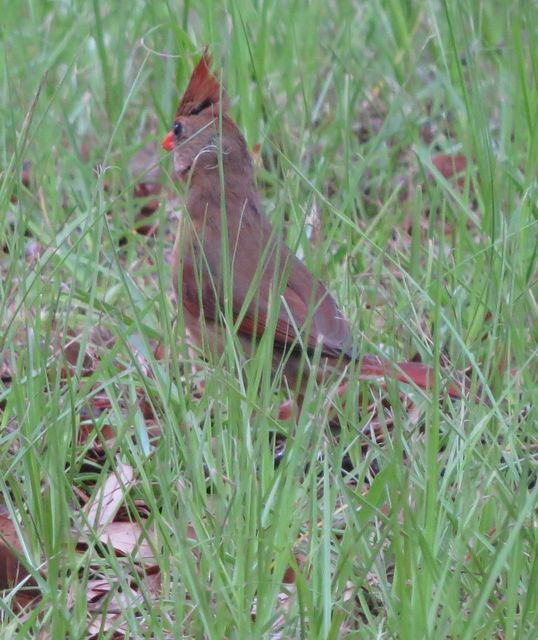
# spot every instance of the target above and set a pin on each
(307, 315)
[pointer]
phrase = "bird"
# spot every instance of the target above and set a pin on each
(232, 270)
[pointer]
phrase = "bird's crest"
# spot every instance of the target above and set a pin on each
(204, 91)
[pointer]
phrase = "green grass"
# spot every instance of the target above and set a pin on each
(350, 102)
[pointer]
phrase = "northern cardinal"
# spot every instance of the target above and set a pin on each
(229, 259)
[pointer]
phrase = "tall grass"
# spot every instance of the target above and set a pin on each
(431, 534)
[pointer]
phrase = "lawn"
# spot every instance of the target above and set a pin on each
(397, 145)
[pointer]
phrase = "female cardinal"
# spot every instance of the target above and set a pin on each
(232, 270)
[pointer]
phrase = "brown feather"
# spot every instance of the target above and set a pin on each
(204, 91)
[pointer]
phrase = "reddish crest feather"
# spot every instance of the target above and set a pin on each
(203, 91)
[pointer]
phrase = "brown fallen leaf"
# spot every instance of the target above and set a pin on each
(96, 589)
(128, 538)
(67, 346)
(25, 177)
(107, 603)
(101, 625)
(103, 507)
(152, 579)
(12, 572)
(449, 165)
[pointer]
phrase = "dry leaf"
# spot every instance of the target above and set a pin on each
(128, 538)
(11, 571)
(449, 165)
(102, 509)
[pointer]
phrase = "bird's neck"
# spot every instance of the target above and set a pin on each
(239, 196)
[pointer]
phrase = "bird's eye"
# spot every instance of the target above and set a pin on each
(178, 130)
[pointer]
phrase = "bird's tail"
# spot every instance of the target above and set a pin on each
(411, 372)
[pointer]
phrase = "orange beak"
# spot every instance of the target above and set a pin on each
(168, 143)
